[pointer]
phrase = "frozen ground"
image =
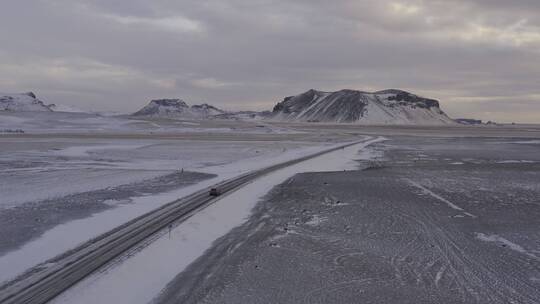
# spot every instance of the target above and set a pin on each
(46, 166)
(64, 122)
(437, 220)
(150, 268)
(25, 222)
(59, 191)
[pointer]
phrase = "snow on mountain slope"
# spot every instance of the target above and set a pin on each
(205, 110)
(22, 103)
(64, 108)
(166, 107)
(177, 108)
(350, 106)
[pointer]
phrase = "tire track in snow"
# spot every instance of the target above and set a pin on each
(440, 198)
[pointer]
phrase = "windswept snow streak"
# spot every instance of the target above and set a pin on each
(498, 239)
(440, 198)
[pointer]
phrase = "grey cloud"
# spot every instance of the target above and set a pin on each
(250, 54)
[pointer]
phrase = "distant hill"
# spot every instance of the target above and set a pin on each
(177, 108)
(468, 121)
(245, 115)
(22, 102)
(351, 106)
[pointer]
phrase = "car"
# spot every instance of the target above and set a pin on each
(215, 192)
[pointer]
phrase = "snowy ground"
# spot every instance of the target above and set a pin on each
(58, 192)
(413, 228)
(90, 164)
(64, 122)
(151, 268)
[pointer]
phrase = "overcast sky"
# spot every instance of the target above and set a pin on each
(480, 58)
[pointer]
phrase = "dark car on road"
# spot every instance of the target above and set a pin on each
(215, 192)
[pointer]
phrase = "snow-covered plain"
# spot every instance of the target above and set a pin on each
(47, 166)
(35, 122)
(142, 276)
(102, 164)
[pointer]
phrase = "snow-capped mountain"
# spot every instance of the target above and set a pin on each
(22, 102)
(350, 106)
(177, 108)
(164, 107)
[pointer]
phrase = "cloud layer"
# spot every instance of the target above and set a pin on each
(480, 58)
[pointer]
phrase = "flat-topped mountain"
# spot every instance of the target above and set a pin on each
(351, 106)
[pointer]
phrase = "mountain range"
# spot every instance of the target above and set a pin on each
(345, 106)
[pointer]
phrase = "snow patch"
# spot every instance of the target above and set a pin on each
(81, 151)
(528, 142)
(316, 220)
(440, 198)
(506, 243)
(513, 161)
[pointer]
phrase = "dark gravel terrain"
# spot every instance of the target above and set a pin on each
(435, 220)
(28, 221)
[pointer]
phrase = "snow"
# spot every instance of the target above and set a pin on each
(64, 122)
(65, 108)
(316, 220)
(378, 113)
(362, 108)
(141, 277)
(514, 161)
(21, 103)
(19, 187)
(498, 239)
(177, 108)
(69, 235)
(50, 122)
(81, 151)
(527, 142)
(88, 165)
(440, 198)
